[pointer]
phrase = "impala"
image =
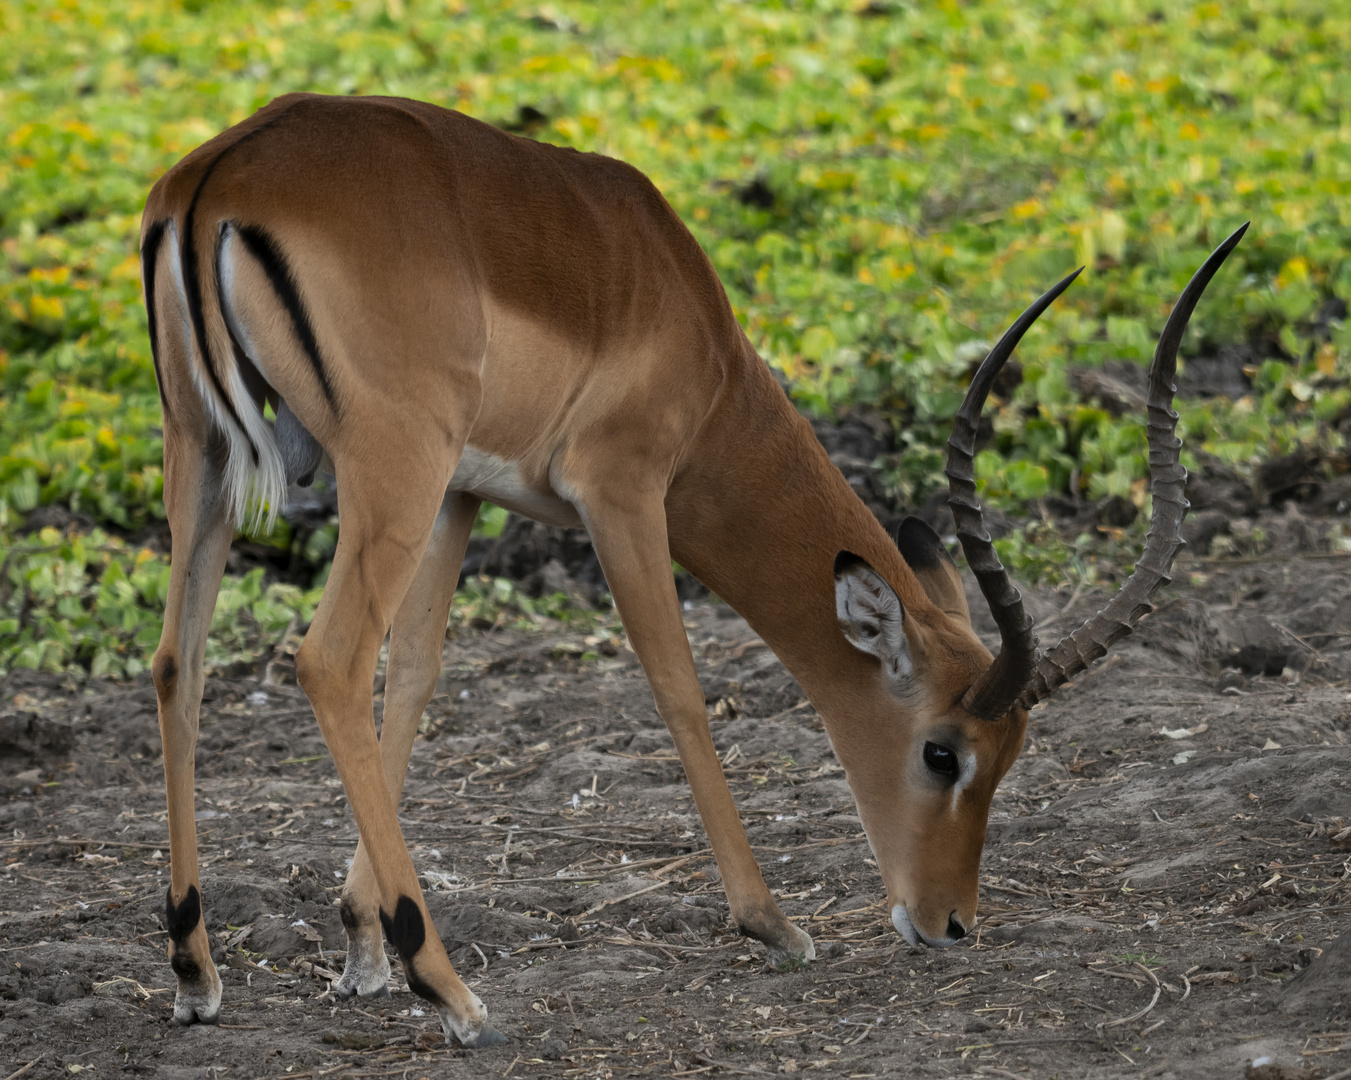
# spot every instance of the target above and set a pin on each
(448, 313)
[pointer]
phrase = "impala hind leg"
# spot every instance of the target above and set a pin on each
(385, 531)
(631, 541)
(415, 643)
(201, 530)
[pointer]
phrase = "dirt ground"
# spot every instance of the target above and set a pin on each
(1167, 872)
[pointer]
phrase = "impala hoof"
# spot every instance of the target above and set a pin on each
(188, 1017)
(468, 1024)
(196, 1006)
(793, 955)
(366, 973)
(348, 991)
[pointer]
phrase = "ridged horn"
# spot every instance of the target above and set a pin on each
(1074, 652)
(994, 692)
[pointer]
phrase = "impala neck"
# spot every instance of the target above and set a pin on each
(758, 514)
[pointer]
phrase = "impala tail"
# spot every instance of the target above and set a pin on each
(196, 331)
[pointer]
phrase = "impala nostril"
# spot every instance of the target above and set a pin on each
(956, 931)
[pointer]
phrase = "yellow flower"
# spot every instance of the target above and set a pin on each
(1295, 270)
(46, 307)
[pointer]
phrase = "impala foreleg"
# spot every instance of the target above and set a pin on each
(201, 530)
(385, 530)
(631, 542)
(415, 642)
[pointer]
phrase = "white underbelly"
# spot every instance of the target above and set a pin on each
(499, 481)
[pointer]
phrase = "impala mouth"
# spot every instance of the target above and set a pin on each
(905, 926)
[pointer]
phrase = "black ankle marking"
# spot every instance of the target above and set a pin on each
(348, 915)
(405, 931)
(185, 967)
(418, 985)
(181, 919)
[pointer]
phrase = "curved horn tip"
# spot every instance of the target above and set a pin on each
(1076, 651)
(1053, 293)
(1223, 249)
(1216, 258)
(995, 691)
(1237, 235)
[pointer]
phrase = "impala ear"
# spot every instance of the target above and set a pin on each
(933, 568)
(870, 614)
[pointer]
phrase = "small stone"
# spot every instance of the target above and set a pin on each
(552, 1049)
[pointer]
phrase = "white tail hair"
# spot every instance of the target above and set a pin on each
(255, 475)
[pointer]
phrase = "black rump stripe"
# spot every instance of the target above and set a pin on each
(264, 247)
(149, 256)
(192, 283)
(248, 371)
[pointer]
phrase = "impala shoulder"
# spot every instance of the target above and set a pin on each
(617, 180)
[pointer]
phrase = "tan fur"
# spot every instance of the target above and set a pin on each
(943, 585)
(472, 288)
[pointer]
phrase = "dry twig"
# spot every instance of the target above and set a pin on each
(23, 1069)
(1158, 990)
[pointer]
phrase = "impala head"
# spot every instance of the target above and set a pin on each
(946, 721)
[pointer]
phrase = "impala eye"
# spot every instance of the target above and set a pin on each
(941, 760)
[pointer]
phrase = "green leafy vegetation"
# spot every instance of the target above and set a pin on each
(95, 602)
(494, 602)
(79, 600)
(881, 186)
